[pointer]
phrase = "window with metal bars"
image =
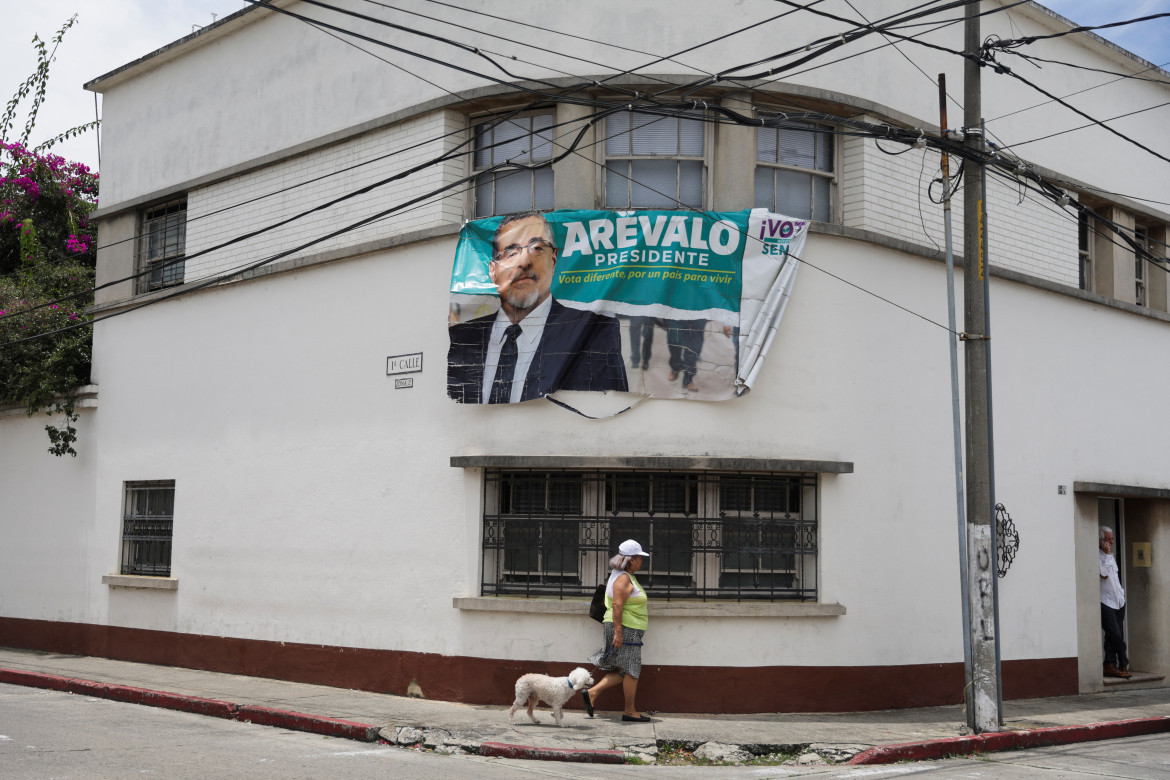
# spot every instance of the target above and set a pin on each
(710, 535)
(162, 244)
(526, 139)
(147, 525)
(653, 161)
(794, 170)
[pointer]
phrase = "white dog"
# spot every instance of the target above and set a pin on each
(554, 691)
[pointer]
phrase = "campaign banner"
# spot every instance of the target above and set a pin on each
(668, 304)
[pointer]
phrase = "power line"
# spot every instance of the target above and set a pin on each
(1082, 127)
(1016, 42)
(1078, 92)
(316, 23)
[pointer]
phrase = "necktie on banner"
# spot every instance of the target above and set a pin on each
(506, 369)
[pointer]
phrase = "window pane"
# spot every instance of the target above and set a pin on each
(735, 494)
(513, 192)
(765, 189)
(484, 189)
(691, 137)
(628, 528)
(771, 495)
(655, 134)
(526, 495)
(821, 199)
(543, 197)
(483, 155)
(824, 152)
(560, 547)
(766, 144)
(792, 194)
(628, 493)
(521, 539)
(511, 141)
(674, 494)
(564, 494)
(672, 548)
(617, 137)
(691, 183)
(655, 184)
(617, 185)
(797, 147)
(738, 536)
(542, 146)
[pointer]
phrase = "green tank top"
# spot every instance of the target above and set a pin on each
(634, 613)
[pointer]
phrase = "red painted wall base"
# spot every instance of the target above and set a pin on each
(703, 689)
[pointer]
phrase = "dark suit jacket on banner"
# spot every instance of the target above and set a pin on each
(580, 350)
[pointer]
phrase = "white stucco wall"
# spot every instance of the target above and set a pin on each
(47, 521)
(306, 181)
(315, 503)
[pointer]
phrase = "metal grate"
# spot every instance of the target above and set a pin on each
(147, 526)
(161, 245)
(710, 535)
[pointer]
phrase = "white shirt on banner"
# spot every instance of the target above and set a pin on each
(531, 330)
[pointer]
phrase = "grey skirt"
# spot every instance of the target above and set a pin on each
(626, 659)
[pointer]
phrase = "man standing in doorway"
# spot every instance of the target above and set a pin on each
(1112, 609)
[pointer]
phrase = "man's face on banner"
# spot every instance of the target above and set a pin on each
(523, 263)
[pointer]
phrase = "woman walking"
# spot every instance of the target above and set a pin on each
(624, 626)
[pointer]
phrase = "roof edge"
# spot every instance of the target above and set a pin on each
(205, 34)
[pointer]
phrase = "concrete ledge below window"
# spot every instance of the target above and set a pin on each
(649, 462)
(579, 607)
(136, 581)
(1120, 491)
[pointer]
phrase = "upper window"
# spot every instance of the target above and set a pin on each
(525, 139)
(1085, 250)
(710, 535)
(1141, 236)
(162, 243)
(653, 161)
(794, 170)
(147, 524)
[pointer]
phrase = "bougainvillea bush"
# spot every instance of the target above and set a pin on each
(47, 257)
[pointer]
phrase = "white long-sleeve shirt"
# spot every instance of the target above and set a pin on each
(1112, 594)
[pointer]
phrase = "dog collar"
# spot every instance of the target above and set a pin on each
(569, 680)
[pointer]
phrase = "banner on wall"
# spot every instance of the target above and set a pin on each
(668, 304)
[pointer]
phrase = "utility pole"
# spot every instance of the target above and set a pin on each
(982, 688)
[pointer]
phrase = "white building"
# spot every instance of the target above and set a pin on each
(316, 521)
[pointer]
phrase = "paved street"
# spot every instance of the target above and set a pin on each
(49, 734)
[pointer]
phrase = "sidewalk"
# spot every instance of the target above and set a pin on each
(864, 737)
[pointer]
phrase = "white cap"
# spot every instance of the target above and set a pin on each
(630, 547)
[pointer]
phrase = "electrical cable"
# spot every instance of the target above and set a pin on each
(1082, 127)
(259, 231)
(1034, 59)
(555, 52)
(1016, 42)
(735, 118)
(1004, 69)
(1070, 94)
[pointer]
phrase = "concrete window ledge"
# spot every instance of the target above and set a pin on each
(135, 581)
(579, 607)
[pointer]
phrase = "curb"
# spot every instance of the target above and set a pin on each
(264, 716)
(1008, 740)
(314, 724)
(529, 753)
